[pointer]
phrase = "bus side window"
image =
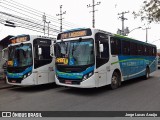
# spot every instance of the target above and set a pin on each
(150, 51)
(145, 50)
(115, 46)
(125, 47)
(133, 48)
(140, 49)
(154, 51)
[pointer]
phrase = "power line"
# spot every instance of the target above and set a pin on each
(15, 6)
(24, 24)
(17, 12)
(38, 13)
(23, 18)
(2, 22)
(31, 18)
(24, 14)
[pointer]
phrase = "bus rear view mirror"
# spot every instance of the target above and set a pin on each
(39, 51)
(101, 48)
(52, 50)
(4, 56)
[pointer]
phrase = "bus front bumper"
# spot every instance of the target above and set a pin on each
(88, 83)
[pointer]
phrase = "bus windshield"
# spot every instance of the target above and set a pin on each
(75, 53)
(20, 55)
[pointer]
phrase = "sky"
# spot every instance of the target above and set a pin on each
(106, 17)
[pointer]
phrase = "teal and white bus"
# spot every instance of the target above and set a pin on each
(88, 58)
(29, 61)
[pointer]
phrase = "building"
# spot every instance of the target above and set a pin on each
(3, 44)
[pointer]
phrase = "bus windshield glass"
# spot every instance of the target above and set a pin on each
(75, 53)
(20, 55)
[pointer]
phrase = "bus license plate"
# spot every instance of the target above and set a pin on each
(68, 82)
(13, 81)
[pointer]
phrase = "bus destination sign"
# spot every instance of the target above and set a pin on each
(73, 34)
(19, 39)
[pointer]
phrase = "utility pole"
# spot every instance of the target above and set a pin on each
(61, 14)
(93, 11)
(48, 26)
(146, 33)
(123, 19)
(44, 25)
(44, 20)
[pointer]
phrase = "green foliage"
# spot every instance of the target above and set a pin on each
(150, 11)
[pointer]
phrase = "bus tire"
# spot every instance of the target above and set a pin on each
(115, 81)
(147, 74)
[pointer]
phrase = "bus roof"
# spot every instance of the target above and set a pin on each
(115, 35)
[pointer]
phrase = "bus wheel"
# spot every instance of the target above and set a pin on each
(115, 81)
(147, 73)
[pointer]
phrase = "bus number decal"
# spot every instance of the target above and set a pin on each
(10, 63)
(62, 60)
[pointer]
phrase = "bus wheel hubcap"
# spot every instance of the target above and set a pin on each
(114, 80)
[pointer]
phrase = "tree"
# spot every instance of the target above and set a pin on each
(150, 11)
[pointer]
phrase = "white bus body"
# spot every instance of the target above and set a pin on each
(85, 59)
(29, 61)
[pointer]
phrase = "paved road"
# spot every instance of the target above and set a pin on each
(134, 95)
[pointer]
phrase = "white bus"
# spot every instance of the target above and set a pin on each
(29, 61)
(87, 58)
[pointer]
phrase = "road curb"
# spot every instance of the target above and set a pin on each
(4, 85)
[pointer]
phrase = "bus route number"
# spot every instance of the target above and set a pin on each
(62, 60)
(10, 63)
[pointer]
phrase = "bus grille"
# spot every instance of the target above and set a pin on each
(15, 80)
(73, 82)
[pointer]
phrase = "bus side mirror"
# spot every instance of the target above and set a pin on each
(101, 48)
(3, 53)
(52, 50)
(39, 51)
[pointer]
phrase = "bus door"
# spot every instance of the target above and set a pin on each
(42, 60)
(102, 57)
(43, 77)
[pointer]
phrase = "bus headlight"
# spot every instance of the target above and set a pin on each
(90, 74)
(85, 77)
(29, 74)
(24, 76)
